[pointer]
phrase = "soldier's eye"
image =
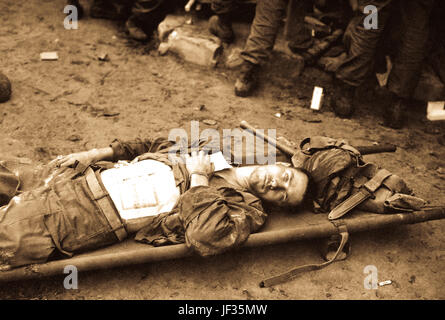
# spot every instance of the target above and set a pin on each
(286, 177)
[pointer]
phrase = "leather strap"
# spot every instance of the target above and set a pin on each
(104, 202)
(292, 274)
(365, 192)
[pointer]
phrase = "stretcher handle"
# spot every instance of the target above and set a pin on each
(189, 5)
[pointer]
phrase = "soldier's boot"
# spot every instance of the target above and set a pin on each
(247, 79)
(343, 102)
(221, 26)
(395, 114)
(134, 31)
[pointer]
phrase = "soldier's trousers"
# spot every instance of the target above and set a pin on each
(265, 27)
(362, 44)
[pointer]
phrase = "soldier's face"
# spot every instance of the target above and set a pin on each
(279, 184)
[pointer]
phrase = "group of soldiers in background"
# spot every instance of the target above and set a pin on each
(405, 32)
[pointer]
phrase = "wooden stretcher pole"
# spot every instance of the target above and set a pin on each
(364, 150)
(365, 222)
(93, 261)
(280, 146)
(189, 5)
(142, 253)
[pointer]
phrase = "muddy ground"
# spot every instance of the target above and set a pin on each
(79, 102)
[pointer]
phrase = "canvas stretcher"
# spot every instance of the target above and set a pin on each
(280, 228)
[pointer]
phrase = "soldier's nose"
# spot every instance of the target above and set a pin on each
(273, 184)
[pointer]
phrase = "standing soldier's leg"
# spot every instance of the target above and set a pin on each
(403, 79)
(145, 17)
(220, 24)
(361, 43)
(259, 45)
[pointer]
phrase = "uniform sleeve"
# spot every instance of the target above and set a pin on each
(128, 150)
(217, 219)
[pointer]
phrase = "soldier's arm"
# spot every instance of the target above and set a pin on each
(85, 157)
(118, 150)
(128, 150)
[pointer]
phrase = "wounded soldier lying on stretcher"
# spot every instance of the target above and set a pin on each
(81, 202)
(95, 198)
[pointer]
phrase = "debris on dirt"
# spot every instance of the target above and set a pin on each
(277, 115)
(313, 119)
(248, 295)
(74, 138)
(78, 62)
(412, 279)
(385, 283)
(317, 98)
(209, 122)
(38, 90)
(202, 107)
(109, 114)
(49, 56)
(103, 57)
(435, 110)
(81, 79)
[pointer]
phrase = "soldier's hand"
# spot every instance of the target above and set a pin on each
(199, 163)
(85, 157)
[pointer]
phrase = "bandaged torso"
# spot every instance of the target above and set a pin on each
(146, 188)
(141, 189)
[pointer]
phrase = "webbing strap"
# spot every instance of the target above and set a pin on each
(104, 203)
(293, 273)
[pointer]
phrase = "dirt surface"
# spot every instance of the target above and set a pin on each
(79, 102)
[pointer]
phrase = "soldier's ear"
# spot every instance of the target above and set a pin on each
(286, 164)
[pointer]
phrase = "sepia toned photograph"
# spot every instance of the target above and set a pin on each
(226, 156)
